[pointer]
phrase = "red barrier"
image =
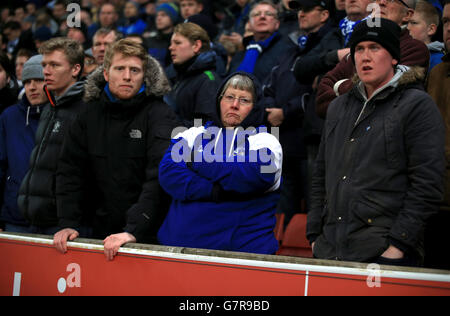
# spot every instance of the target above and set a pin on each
(29, 265)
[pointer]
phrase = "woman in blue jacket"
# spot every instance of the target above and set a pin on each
(224, 180)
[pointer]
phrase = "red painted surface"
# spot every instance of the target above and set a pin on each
(86, 272)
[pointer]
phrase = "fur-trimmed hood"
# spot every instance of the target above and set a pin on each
(155, 80)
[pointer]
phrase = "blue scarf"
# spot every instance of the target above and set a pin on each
(113, 98)
(347, 28)
(254, 49)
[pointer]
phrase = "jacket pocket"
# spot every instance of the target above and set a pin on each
(366, 216)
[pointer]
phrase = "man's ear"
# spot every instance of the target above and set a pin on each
(197, 46)
(106, 75)
(431, 29)
(394, 62)
(324, 15)
(409, 14)
(76, 69)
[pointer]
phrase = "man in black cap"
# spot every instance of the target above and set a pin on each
(379, 171)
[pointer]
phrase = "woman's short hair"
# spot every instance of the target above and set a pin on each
(240, 82)
(193, 33)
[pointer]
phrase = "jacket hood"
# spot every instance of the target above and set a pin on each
(436, 47)
(31, 112)
(256, 117)
(76, 89)
(403, 76)
(204, 61)
(155, 81)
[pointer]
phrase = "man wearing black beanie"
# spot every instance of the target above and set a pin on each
(382, 156)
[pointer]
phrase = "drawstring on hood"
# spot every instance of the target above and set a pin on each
(29, 108)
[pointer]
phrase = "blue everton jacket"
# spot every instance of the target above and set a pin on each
(224, 184)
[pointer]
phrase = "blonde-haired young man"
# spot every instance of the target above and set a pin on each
(113, 150)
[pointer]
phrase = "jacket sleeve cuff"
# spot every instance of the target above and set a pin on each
(400, 245)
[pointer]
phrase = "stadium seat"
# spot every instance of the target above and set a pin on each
(294, 242)
(279, 227)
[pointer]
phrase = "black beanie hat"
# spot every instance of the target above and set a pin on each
(387, 34)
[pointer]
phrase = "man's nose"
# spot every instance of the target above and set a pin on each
(127, 74)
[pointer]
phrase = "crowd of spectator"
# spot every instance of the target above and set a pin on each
(91, 92)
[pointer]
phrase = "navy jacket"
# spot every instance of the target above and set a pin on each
(18, 125)
(194, 88)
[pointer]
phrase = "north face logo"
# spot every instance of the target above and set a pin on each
(56, 127)
(136, 134)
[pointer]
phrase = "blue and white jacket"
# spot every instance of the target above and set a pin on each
(224, 184)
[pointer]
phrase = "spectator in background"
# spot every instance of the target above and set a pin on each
(379, 172)
(9, 88)
(266, 45)
(18, 126)
(288, 98)
(288, 18)
(206, 23)
(438, 87)
(190, 7)
(414, 53)
(167, 16)
(226, 203)
(423, 26)
(41, 35)
(89, 63)
(95, 9)
(103, 38)
(192, 74)
(62, 63)
(17, 38)
(134, 24)
(22, 56)
(122, 136)
(80, 34)
(107, 18)
(306, 70)
(12, 31)
(59, 12)
(234, 26)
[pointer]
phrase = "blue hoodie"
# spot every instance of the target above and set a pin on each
(18, 125)
(225, 199)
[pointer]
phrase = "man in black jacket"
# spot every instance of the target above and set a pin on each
(115, 147)
(62, 63)
(380, 168)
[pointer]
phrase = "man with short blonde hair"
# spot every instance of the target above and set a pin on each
(122, 135)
